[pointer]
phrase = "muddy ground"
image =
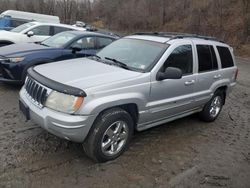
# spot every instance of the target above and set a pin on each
(184, 153)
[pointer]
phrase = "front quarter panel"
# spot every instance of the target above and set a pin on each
(133, 91)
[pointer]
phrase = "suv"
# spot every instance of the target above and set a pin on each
(135, 83)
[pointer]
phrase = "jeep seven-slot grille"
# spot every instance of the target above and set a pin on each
(37, 92)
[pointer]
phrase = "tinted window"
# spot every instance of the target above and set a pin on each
(102, 42)
(207, 58)
(42, 30)
(225, 57)
(85, 43)
(60, 29)
(181, 58)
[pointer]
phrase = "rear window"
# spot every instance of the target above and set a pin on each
(207, 58)
(225, 57)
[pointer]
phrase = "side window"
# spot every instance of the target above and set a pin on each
(102, 42)
(85, 43)
(182, 58)
(225, 56)
(207, 58)
(42, 30)
(60, 29)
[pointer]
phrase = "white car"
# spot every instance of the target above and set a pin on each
(33, 32)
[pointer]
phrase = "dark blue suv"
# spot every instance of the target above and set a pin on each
(17, 58)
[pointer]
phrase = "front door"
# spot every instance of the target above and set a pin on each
(174, 97)
(40, 33)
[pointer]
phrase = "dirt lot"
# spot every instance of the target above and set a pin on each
(184, 153)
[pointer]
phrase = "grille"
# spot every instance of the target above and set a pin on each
(37, 92)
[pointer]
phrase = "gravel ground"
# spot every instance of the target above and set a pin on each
(184, 153)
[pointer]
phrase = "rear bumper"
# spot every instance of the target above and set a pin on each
(70, 127)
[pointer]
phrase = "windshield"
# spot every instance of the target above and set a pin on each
(138, 54)
(4, 21)
(20, 28)
(59, 40)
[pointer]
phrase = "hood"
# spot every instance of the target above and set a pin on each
(84, 73)
(8, 35)
(15, 49)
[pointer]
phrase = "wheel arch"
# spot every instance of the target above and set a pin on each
(130, 108)
(223, 89)
(6, 42)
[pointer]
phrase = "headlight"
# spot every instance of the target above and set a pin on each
(16, 59)
(63, 102)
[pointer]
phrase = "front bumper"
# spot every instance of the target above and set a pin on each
(10, 73)
(70, 127)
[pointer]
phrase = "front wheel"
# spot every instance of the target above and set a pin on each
(110, 135)
(213, 108)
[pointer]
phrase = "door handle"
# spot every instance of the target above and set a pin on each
(191, 82)
(217, 76)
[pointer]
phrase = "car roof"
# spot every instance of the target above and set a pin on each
(90, 33)
(60, 25)
(170, 38)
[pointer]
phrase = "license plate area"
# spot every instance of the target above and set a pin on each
(25, 110)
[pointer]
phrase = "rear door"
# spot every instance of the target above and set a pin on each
(174, 97)
(207, 72)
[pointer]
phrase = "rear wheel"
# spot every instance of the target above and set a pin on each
(213, 108)
(110, 135)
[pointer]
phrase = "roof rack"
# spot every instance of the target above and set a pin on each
(175, 35)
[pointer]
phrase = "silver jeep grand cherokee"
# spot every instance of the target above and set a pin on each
(136, 83)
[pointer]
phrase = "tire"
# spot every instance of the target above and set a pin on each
(213, 108)
(110, 135)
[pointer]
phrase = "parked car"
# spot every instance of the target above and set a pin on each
(17, 58)
(135, 83)
(12, 18)
(33, 32)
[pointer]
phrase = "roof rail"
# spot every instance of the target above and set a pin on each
(175, 35)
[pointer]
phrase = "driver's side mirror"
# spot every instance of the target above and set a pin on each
(75, 49)
(30, 34)
(170, 73)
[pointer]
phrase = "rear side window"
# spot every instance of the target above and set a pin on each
(207, 58)
(225, 57)
(60, 29)
(182, 58)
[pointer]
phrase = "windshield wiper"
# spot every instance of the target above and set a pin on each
(119, 63)
(94, 55)
(44, 44)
